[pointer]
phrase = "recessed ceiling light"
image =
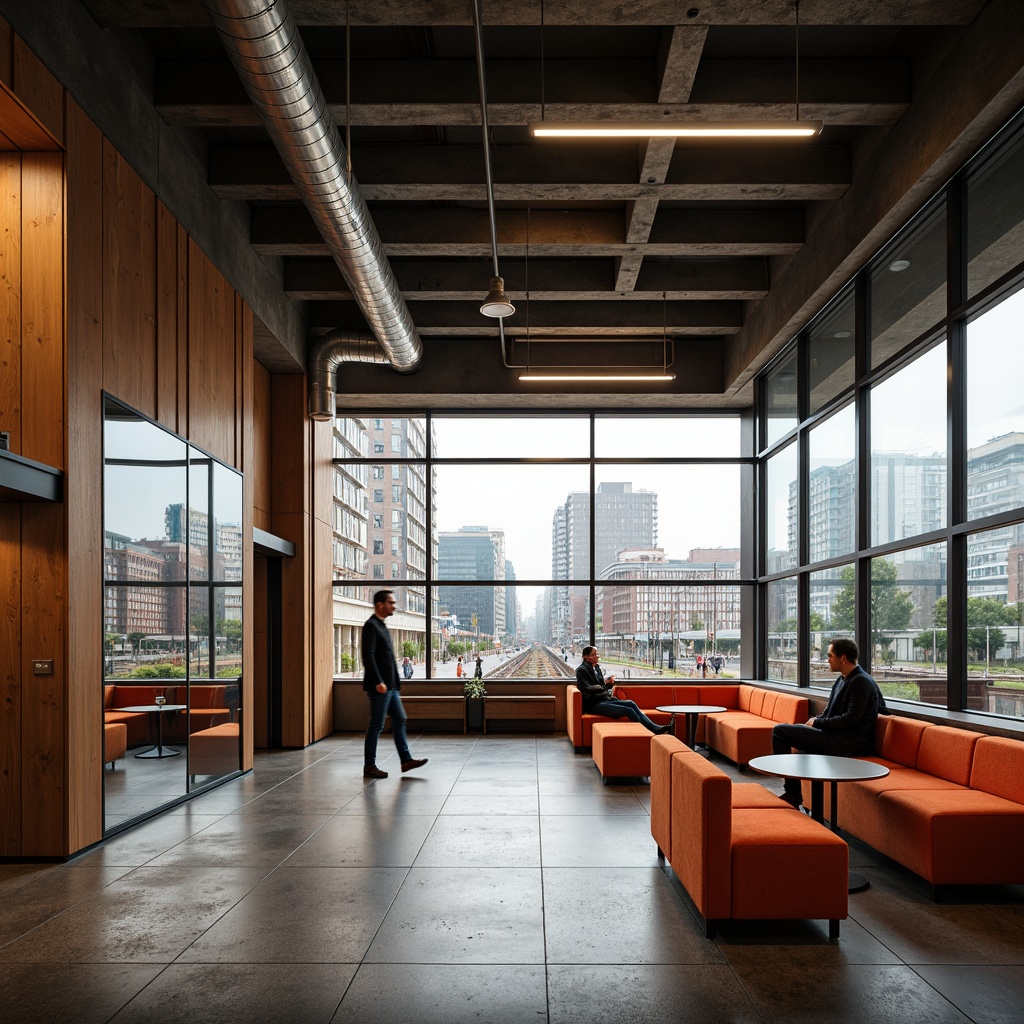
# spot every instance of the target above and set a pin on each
(897, 265)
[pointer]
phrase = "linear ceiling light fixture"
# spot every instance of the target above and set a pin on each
(795, 129)
(675, 129)
(542, 376)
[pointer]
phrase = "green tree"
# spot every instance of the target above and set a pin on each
(892, 608)
(410, 649)
(981, 611)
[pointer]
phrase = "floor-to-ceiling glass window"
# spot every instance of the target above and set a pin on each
(512, 540)
(172, 616)
(895, 423)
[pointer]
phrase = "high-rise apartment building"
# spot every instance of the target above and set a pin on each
(474, 553)
(623, 518)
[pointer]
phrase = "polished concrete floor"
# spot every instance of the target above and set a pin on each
(502, 882)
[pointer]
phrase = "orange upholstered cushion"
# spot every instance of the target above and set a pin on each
(999, 767)
(967, 837)
(722, 694)
(702, 832)
(792, 709)
(662, 749)
(902, 740)
(947, 753)
(755, 701)
(622, 749)
(647, 696)
(786, 866)
(686, 695)
(753, 794)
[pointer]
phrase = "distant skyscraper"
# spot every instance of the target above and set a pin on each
(474, 553)
(624, 518)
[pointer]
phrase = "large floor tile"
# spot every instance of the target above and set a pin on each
(856, 994)
(302, 915)
(445, 994)
(141, 844)
(988, 995)
(240, 994)
(149, 916)
(650, 994)
(374, 840)
(468, 915)
(631, 915)
(243, 841)
(597, 801)
(68, 993)
(920, 931)
(482, 841)
(597, 841)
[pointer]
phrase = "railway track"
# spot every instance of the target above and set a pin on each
(537, 662)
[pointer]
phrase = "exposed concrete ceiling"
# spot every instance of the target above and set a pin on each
(725, 248)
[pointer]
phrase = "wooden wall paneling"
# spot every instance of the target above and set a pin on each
(182, 388)
(83, 506)
(38, 89)
(42, 307)
(166, 318)
(258, 704)
(10, 297)
(129, 286)
(322, 626)
(44, 737)
(321, 575)
(296, 684)
(261, 445)
(10, 681)
(211, 348)
(290, 460)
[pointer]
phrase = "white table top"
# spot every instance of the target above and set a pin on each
(154, 707)
(818, 767)
(689, 709)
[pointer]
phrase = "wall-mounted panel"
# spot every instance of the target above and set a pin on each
(129, 287)
(42, 307)
(10, 297)
(212, 395)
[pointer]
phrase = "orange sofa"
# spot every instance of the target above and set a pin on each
(742, 856)
(115, 741)
(951, 808)
(741, 732)
(207, 702)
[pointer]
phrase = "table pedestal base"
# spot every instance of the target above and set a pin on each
(159, 752)
(857, 883)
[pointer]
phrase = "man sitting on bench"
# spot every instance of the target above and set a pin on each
(598, 698)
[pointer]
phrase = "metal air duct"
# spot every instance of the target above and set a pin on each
(264, 45)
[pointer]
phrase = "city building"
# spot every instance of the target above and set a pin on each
(473, 553)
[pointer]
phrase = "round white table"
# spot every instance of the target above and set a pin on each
(819, 769)
(159, 750)
(691, 711)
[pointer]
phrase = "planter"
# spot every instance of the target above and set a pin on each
(475, 713)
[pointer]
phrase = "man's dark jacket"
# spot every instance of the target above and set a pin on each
(850, 714)
(590, 682)
(379, 665)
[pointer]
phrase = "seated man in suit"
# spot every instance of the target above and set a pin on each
(598, 698)
(846, 726)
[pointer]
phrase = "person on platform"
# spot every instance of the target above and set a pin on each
(846, 726)
(478, 672)
(382, 686)
(598, 698)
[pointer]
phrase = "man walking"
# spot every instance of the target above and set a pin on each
(382, 686)
(846, 726)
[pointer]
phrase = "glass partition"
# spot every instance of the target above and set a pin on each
(172, 616)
